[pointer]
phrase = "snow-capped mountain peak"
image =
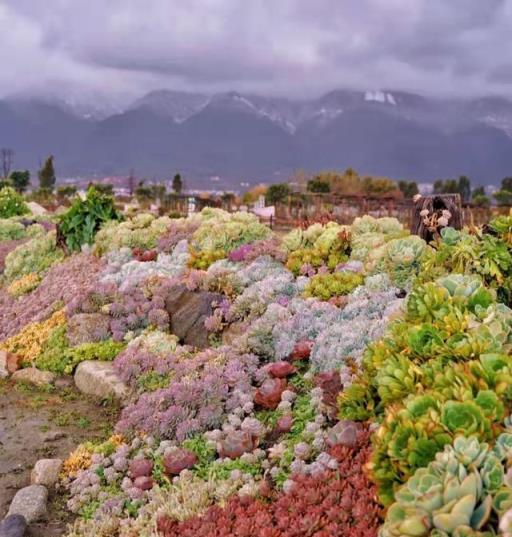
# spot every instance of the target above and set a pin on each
(380, 97)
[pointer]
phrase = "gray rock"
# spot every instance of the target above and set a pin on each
(30, 502)
(46, 472)
(99, 379)
(13, 526)
(188, 311)
(87, 327)
(35, 376)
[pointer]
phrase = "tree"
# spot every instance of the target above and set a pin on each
(408, 188)
(66, 191)
(503, 197)
(276, 193)
(47, 175)
(177, 184)
(143, 193)
(131, 183)
(103, 188)
(461, 186)
(377, 186)
(20, 179)
(253, 195)
(464, 188)
(506, 184)
(158, 191)
(7, 157)
(318, 185)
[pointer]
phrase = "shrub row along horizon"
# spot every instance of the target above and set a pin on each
(346, 364)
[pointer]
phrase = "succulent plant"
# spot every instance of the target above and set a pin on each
(326, 286)
(453, 496)
(179, 460)
(268, 395)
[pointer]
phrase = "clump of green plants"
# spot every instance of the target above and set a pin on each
(474, 252)
(83, 220)
(326, 286)
(203, 259)
(442, 371)
(457, 494)
(323, 247)
(33, 257)
(12, 203)
(57, 356)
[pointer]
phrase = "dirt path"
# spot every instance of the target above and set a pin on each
(38, 423)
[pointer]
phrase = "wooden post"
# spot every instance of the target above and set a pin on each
(435, 204)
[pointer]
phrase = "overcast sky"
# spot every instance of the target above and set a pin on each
(297, 47)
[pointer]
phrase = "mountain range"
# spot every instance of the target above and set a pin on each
(248, 138)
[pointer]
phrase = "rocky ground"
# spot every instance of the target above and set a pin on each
(44, 422)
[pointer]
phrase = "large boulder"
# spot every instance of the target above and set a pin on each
(88, 328)
(46, 472)
(100, 380)
(188, 311)
(30, 502)
(32, 375)
(36, 209)
(13, 526)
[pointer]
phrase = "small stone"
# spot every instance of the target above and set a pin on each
(53, 436)
(97, 378)
(64, 381)
(46, 472)
(30, 502)
(35, 376)
(13, 526)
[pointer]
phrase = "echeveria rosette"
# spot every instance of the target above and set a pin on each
(450, 236)
(410, 436)
(454, 496)
(400, 258)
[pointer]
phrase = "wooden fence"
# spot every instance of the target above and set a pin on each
(296, 212)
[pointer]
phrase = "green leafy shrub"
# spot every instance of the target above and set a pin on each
(82, 221)
(12, 203)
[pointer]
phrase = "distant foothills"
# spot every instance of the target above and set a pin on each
(233, 141)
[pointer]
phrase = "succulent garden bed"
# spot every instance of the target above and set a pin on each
(337, 380)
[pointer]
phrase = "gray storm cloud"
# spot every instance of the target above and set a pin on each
(293, 47)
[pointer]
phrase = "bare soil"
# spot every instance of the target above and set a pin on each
(38, 423)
